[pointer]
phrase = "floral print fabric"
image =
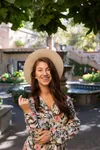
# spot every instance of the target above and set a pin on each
(61, 129)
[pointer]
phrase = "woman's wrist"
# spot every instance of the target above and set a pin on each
(27, 111)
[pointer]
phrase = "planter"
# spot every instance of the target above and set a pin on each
(6, 86)
(5, 117)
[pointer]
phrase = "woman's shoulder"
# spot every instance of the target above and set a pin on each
(68, 100)
(70, 104)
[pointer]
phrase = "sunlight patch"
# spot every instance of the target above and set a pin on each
(22, 133)
(86, 127)
(98, 125)
(12, 138)
(6, 144)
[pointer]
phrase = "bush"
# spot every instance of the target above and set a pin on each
(94, 77)
(16, 94)
(16, 77)
(19, 43)
(79, 68)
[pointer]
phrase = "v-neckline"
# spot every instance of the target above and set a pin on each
(50, 109)
(54, 108)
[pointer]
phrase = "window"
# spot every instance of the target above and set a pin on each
(20, 65)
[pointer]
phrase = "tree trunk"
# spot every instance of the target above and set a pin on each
(50, 42)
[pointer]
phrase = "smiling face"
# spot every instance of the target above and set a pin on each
(42, 74)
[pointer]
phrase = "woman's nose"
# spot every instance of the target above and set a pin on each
(44, 72)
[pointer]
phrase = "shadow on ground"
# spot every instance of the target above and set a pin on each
(89, 135)
(13, 138)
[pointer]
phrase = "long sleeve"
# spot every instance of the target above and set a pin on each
(31, 119)
(31, 122)
(31, 126)
(61, 133)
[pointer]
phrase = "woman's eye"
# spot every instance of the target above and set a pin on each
(48, 69)
(39, 70)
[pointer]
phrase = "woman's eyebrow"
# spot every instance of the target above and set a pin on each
(43, 67)
(39, 68)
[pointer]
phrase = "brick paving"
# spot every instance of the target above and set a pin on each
(87, 139)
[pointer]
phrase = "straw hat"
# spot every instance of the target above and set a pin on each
(52, 55)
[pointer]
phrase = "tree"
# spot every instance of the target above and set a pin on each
(46, 14)
(75, 35)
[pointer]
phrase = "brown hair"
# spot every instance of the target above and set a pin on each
(55, 89)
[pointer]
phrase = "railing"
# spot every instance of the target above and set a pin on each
(81, 58)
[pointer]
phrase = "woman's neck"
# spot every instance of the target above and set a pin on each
(45, 91)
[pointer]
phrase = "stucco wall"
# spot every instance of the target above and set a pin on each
(4, 36)
(11, 59)
(29, 37)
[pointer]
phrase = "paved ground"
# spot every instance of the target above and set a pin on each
(87, 139)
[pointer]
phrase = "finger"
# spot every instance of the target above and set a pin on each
(43, 140)
(24, 100)
(40, 132)
(19, 99)
(37, 139)
(43, 132)
(20, 96)
(43, 136)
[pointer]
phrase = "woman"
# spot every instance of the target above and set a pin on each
(49, 114)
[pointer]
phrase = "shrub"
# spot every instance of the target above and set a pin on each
(16, 94)
(94, 77)
(19, 43)
(79, 68)
(16, 77)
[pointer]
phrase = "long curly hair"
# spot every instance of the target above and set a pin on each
(54, 86)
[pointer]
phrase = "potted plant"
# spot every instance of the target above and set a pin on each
(19, 43)
(16, 77)
(93, 77)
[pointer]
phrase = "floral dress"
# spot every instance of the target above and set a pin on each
(61, 129)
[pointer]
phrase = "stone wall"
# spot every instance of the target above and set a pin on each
(11, 59)
(29, 37)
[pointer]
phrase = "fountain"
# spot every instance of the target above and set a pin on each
(67, 74)
(85, 94)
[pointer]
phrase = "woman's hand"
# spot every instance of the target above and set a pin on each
(24, 104)
(44, 137)
(70, 120)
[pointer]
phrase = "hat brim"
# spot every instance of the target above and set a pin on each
(52, 55)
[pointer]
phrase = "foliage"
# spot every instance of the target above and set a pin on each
(19, 43)
(94, 77)
(76, 36)
(46, 15)
(79, 68)
(16, 94)
(16, 77)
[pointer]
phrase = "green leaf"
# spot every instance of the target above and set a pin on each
(60, 1)
(45, 19)
(23, 3)
(3, 13)
(10, 1)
